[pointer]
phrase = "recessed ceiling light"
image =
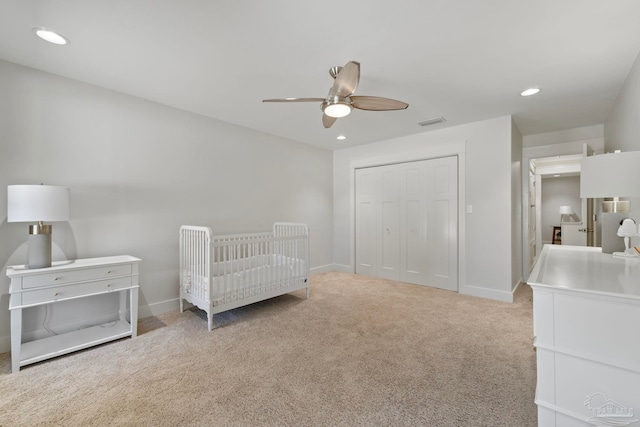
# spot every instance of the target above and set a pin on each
(50, 36)
(556, 175)
(530, 91)
(341, 137)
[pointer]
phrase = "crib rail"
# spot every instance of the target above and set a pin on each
(195, 250)
(222, 271)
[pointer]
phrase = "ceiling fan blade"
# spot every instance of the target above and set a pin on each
(376, 103)
(327, 121)
(294, 100)
(347, 79)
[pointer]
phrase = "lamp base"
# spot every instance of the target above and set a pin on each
(39, 251)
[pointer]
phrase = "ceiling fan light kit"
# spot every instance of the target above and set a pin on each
(337, 109)
(341, 100)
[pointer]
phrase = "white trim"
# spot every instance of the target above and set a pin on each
(515, 287)
(478, 291)
(342, 268)
(159, 308)
(446, 150)
(321, 269)
(5, 346)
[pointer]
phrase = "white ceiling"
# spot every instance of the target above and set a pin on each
(466, 60)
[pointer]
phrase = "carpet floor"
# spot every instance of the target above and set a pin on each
(360, 351)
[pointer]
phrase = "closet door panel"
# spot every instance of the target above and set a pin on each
(407, 223)
(413, 238)
(442, 196)
(413, 246)
(389, 225)
(439, 245)
(365, 222)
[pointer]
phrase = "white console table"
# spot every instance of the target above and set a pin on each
(66, 280)
(586, 323)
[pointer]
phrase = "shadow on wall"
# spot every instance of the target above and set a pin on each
(13, 249)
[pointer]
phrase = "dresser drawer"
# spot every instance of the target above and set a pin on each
(55, 293)
(71, 276)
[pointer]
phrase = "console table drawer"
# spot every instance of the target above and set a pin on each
(55, 293)
(71, 276)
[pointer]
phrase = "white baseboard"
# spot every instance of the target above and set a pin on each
(5, 344)
(514, 288)
(331, 267)
(342, 268)
(159, 308)
(321, 269)
(481, 292)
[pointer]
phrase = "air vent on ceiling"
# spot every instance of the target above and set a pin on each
(433, 121)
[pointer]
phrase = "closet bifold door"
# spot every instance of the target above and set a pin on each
(407, 222)
(366, 227)
(414, 223)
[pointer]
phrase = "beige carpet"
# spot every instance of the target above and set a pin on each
(360, 351)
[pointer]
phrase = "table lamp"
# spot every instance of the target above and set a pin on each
(627, 230)
(567, 214)
(38, 203)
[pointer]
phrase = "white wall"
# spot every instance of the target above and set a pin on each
(585, 133)
(487, 245)
(138, 170)
(622, 127)
(556, 192)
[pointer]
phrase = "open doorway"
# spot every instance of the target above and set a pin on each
(557, 214)
(559, 146)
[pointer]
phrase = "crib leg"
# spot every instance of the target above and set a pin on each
(210, 321)
(307, 290)
(181, 305)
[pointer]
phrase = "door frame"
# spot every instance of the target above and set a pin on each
(529, 153)
(446, 150)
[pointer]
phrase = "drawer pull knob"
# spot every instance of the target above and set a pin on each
(56, 294)
(57, 278)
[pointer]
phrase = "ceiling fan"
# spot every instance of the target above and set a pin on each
(341, 99)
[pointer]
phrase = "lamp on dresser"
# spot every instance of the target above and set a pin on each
(38, 204)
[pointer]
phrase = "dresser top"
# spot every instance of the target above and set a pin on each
(586, 269)
(74, 264)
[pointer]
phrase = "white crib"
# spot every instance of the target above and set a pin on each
(219, 273)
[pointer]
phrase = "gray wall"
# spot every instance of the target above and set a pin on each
(622, 127)
(556, 192)
(138, 170)
(488, 242)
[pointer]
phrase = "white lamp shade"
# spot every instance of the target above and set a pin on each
(610, 175)
(628, 228)
(33, 203)
(566, 210)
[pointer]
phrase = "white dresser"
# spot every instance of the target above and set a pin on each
(66, 280)
(586, 318)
